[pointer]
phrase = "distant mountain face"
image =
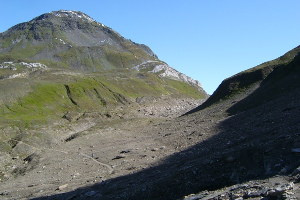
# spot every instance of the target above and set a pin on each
(258, 85)
(65, 61)
(72, 39)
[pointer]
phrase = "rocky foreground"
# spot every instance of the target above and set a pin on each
(90, 148)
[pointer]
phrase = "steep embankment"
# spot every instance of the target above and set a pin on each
(244, 83)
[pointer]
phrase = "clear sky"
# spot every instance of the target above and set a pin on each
(208, 40)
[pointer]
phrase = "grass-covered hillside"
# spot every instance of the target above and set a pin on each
(269, 79)
(50, 94)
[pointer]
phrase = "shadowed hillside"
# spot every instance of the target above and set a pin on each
(248, 81)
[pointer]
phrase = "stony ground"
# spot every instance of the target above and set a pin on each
(278, 187)
(205, 155)
(92, 149)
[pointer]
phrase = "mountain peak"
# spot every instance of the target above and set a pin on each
(66, 15)
(72, 39)
(72, 14)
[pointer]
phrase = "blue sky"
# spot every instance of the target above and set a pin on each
(208, 40)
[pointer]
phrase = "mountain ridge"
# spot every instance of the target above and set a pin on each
(74, 40)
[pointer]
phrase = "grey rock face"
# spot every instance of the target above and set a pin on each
(164, 70)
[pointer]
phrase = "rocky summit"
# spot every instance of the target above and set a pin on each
(88, 114)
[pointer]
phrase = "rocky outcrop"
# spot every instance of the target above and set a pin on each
(276, 188)
(164, 70)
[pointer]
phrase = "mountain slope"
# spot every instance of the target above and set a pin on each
(68, 57)
(73, 40)
(261, 78)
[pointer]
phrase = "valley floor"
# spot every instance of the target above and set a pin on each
(159, 158)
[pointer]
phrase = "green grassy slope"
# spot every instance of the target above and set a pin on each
(55, 95)
(281, 82)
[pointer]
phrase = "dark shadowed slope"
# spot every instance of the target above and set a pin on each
(282, 81)
(248, 81)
